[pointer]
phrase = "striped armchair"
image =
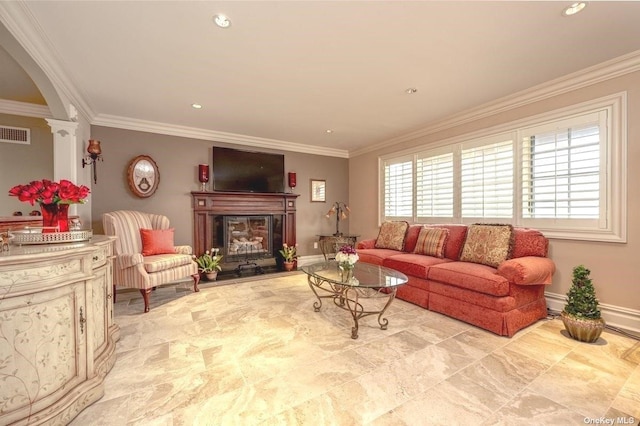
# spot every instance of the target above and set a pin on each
(131, 268)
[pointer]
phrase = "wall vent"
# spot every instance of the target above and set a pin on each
(15, 135)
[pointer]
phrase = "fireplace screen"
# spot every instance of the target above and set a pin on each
(248, 237)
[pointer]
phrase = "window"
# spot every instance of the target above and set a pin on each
(563, 172)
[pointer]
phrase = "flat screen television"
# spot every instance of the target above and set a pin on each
(247, 171)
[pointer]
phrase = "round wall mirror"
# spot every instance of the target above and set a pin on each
(143, 176)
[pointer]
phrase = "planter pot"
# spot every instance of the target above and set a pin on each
(288, 266)
(211, 276)
(583, 330)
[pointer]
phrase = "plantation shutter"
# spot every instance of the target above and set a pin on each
(398, 188)
(434, 186)
(562, 165)
(487, 180)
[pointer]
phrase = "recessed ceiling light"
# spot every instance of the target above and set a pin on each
(410, 90)
(222, 21)
(196, 106)
(329, 131)
(574, 8)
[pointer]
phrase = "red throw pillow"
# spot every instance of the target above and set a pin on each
(157, 241)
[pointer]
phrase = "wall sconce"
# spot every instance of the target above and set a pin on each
(95, 154)
(203, 175)
(341, 211)
(292, 180)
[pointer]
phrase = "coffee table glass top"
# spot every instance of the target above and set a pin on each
(364, 275)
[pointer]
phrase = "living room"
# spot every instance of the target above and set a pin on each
(351, 175)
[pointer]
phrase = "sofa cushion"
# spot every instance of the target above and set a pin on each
(455, 241)
(162, 262)
(411, 238)
(473, 276)
(391, 235)
(416, 265)
(375, 256)
(529, 242)
(488, 244)
(431, 242)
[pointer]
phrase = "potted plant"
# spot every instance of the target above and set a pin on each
(581, 316)
(209, 263)
(289, 256)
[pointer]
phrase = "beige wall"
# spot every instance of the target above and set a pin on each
(21, 164)
(178, 158)
(613, 265)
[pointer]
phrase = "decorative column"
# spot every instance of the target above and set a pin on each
(65, 151)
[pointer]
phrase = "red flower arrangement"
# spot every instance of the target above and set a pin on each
(47, 192)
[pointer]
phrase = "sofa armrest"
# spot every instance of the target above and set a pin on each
(128, 260)
(528, 270)
(183, 249)
(366, 244)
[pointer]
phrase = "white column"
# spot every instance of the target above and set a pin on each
(65, 149)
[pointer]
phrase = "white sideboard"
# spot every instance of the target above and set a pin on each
(57, 335)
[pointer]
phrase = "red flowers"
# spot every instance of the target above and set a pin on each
(47, 192)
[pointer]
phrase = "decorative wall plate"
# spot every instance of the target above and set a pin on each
(143, 176)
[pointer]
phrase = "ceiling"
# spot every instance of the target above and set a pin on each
(288, 71)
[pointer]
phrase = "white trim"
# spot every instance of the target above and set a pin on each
(212, 135)
(24, 109)
(616, 316)
(604, 71)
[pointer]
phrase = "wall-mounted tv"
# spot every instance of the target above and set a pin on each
(247, 171)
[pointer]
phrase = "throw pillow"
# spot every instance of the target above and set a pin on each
(431, 242)
(157, 241)
(488, 244)
(391, 235)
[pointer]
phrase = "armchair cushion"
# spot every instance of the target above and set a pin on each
(162, 262)
(157, 241)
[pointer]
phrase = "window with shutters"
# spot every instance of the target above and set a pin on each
(563, 173)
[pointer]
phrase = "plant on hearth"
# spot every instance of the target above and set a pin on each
(581, 315)
(209, 261)
(288, 252)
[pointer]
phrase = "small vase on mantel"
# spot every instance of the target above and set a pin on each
(55, 216)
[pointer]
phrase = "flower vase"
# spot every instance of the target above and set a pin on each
(346, 271)
(55, 216)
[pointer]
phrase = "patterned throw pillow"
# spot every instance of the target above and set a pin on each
(488, 244)
(391, 235)
(431, 242)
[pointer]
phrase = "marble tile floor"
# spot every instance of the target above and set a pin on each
(253, 352)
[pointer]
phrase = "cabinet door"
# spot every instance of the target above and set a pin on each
(42, 350)
(99, 312)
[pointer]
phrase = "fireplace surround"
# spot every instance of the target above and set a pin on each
(211, 210)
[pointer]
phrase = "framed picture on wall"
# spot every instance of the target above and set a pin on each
(318, 191)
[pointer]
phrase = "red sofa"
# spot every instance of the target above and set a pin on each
(502, 299)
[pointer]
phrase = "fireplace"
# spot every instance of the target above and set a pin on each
(245, 226)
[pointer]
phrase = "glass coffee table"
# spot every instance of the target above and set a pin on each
(367, 281)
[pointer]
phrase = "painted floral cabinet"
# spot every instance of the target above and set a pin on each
(57, 336)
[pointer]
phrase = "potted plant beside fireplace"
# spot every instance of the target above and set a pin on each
(289, 256)
(581, 316)
(209, 263)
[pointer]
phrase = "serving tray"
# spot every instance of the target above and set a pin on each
(36, 236)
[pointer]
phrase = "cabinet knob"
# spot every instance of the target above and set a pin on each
(95, 258)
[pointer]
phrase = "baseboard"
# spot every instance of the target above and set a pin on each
(616, 316)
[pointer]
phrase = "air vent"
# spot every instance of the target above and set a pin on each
(15, 135)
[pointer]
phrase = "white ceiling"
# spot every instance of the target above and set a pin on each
(290, 70)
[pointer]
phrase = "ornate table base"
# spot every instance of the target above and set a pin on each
(348, 297)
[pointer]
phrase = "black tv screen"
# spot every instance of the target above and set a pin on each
(247, 171)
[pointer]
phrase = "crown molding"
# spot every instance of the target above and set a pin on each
(604, 71)
(25, 28)
(24, 109)
(212, 135)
